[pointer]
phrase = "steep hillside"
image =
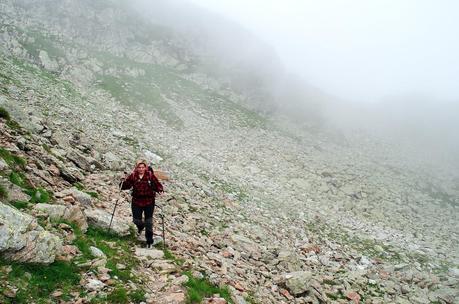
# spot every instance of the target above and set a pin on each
(279, 213)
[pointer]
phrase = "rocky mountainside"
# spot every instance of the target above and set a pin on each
(269, 211)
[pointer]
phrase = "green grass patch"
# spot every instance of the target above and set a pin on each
(118, 295)
(198, 289)
(36, 282)
(168, 255)
(20, 204)
(137, 296)
(18, 179)
(13, 124)
(4, 114)
(3, 192)
(79, 186)
(116, 248)
(11, 159)
(39, 196)
(92, 194)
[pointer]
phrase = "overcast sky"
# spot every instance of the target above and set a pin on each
(362, 50)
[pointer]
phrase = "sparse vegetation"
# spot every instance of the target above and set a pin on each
(198, 289)
(4, 114)
(37, 282)
(11, 159)
(19, 204)
(3, 192)
(39, 196)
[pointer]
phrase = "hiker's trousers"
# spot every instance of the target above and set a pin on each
(147, 211)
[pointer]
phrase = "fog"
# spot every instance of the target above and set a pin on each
(359, 50)
(387, 68)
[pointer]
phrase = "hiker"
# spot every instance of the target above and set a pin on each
(144, 185)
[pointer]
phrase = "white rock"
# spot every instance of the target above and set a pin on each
(96, 252)
(100, 218)
(23, 240)
(149, 253)
(152, 157)
(94, 285)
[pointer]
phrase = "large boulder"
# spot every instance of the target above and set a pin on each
(84, 162)
(101, 219)
(288, 260)
(112, 161)
(15, 192)
(245, 245)
(297, 282)
(152, 158)
(23, 240)
(69, 213)
(81, 197)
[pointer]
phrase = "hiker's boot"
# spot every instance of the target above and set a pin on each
(140, 230)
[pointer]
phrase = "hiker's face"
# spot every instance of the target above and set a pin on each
(141, 168)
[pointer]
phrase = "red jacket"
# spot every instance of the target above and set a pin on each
(143, 189)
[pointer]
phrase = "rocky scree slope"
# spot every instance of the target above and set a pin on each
(253, 204)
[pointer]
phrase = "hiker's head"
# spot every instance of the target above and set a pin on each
(141, 166)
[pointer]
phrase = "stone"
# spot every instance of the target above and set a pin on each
(101, 219)
(169, 298)
(69, 213)
(23, 240)
(149, 253)
(120, 266)
(47, 62)
(454, 272)
(15, 193)
(297, 282)
(84, 162)
(94, 285)
(444, 294)
(353, 296)
(96, 252)
(3, 165)
(112, 161)
(214, 300)
(152, 157)
(244, 244)
(81, 197)
(180, 280)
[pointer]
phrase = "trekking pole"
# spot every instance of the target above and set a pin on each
(116, 204)
(164, 231)
(161, 215)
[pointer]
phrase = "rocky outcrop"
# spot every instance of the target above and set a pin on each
(23, 240)
(61, 212)
(101, 219)
(15, 193)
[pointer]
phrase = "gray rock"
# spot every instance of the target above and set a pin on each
(297, 282)
(152, 157)
(3, 165)
(23, 240)
(70, 213)
(15, 192)
(94, 285)
(112, 161)
(47, 62)
(82, 161)
(96, 252)
(242, 243)
(100, 218)
(81, 197)
(149, 253)
(289, 261)
(447, 295)
(454, 272)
